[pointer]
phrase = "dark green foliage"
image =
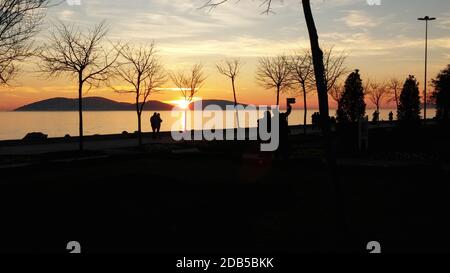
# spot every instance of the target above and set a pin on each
(441, 94)
(409, 105)
(351, 106)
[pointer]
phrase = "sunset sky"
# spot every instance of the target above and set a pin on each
(382, 41)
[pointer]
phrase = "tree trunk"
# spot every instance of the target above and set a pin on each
(80, 111)
(139, 114)
(185, 120)
(235, 102)
(305, 115)
(278, 96)
(319, 72)
(140, 129)
(319, 68)
(138, 109)
(322, 92)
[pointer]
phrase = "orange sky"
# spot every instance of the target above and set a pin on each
(382, 41)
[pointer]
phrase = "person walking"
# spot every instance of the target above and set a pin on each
(153, 124)
(284, 148)
(391, 117)
(158, 122)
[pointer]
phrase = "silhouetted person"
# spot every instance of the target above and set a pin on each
(265, 121)
(158, 124)
(391, 117)
(153, 123)
(284, 132)
(333, 120)
(376, 116)
(315, 119)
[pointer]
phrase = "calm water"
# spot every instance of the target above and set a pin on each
(15, 125)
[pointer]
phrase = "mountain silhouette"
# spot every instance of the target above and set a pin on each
(91, 104)
(103, 104)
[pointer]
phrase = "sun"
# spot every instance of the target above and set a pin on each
(182, 103)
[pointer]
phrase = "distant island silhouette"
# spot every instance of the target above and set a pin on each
(104, 104)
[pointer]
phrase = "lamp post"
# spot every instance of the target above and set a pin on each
(426, 19)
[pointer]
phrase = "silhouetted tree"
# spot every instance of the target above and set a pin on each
(81, 54)
(366, 86)
(275, 73)
(141, 69)
(334, 70)
(377, 93)
(321, 82)
(334, 67)
(319, 70)
(189, 83)
(409, 103)
(19, 22)
(394, 86)
(317, 55)
(336, 92)
(441, 94)
(231, 68)
(302, 72)
(351, 106)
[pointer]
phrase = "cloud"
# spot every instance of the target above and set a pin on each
(362, 44)
(186, 34)
(359, 19)
(66, 15)
(243, 46)
(444, 21)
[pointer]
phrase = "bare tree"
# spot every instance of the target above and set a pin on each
(141, 69)
(377, 93)
(189, 83)
(212, 4)
(275, 73)
(231, 68)
(316, 52)
(19, 22)
(334, 67)
(301, 68)
(336, 92)
(80, 54)
(321, 82)
(319, 68)
(367, 86)
(395, 87)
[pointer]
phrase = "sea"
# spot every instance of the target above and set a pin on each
(15, 125)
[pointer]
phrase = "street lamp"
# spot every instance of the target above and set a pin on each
(426, 19)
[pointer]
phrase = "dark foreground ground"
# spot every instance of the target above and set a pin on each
(225, 199)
